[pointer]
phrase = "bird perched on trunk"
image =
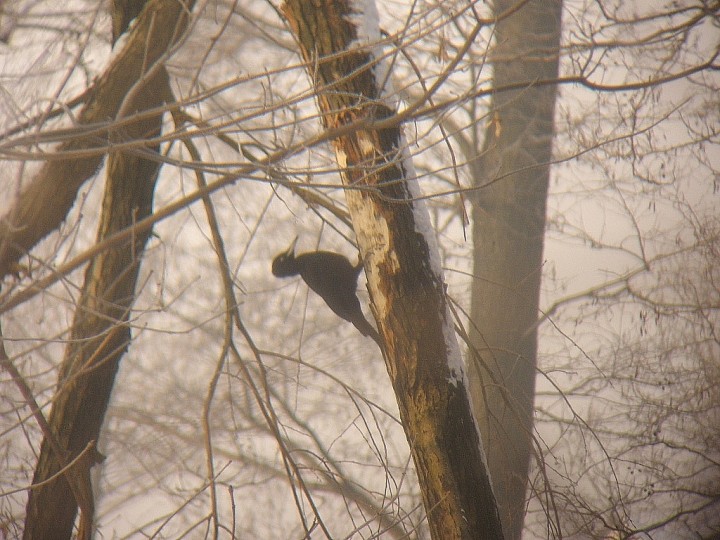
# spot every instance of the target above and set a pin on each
(333, 277)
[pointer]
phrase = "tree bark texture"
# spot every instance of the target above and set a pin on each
(45, 202)
(407, 293)
(512, 175)
(99, 337)
(100, 334)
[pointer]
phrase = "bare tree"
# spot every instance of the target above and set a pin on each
(404, 276)
(100, 335)
(233, 391)
(511, 176)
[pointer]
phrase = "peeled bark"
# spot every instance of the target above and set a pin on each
(508, 229)
(406, 288)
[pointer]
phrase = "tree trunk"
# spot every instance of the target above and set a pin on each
(404, 278)
(100, 334)
(508, 229)
(45, 202)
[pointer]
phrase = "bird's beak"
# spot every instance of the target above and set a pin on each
(291, 249)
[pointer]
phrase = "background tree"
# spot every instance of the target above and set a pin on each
(511, 175)
(241, 392)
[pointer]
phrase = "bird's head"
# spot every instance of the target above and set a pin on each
(284, 264)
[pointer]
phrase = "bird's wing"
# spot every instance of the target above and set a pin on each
(332, 277)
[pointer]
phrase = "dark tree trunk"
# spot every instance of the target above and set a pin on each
(100, 334)
(42, 206)
(406, 290)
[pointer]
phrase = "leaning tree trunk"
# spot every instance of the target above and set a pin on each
(99, 338)
(404, 279)
(100, 334)
(46, 200)
(508, 228)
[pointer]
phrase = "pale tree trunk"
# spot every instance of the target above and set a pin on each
(100, 334)
(512, 175)
(404, 280)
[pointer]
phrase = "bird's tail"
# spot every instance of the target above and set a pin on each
(366, 329)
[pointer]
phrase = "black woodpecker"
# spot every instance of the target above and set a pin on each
(333, 277)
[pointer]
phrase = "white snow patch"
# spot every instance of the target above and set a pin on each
(366, 20)
(424, 227)
(121, 42)
(123, 39)
(364, 16)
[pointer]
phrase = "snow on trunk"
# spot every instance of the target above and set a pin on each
(342, 46)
